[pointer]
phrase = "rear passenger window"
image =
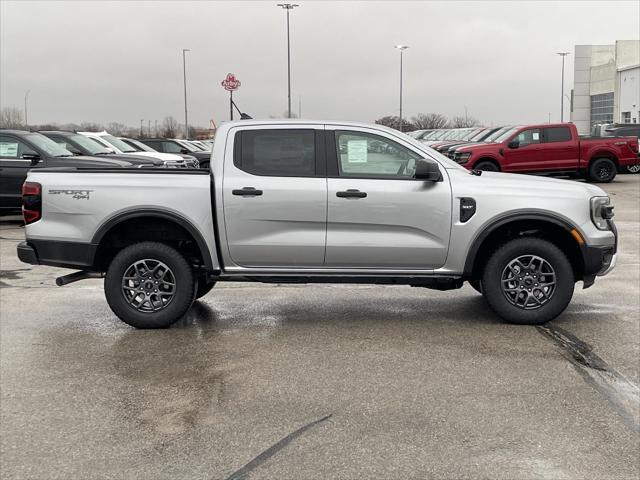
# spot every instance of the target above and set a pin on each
(281, 153)
(557, 134)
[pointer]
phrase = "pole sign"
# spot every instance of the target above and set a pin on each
(231, 83)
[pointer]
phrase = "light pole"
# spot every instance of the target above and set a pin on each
(287, 7)
(184, 79)
(26, 122)
(141, 132)
(401, 48)
(562, 54)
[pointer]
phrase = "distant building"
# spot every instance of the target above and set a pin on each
(606, 84)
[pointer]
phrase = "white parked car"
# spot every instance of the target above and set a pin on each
(118, 146)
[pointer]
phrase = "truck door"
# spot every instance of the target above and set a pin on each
(523, 152)
(275, 197)
(560, 150)
(13, 171)
(379, 216)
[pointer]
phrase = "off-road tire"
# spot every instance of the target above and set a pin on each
(602, 170)
(181, 273)
(497, 265)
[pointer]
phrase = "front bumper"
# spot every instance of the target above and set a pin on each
(599, 260)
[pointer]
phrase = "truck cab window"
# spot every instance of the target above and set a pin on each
(366, 155)
(557, 134)
(527, 137)
(282, 153)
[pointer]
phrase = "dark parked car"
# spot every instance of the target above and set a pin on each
(21, 151)
(81, 145)
(138, 146)
(169, 145)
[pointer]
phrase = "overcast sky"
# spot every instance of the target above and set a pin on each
(121, 61)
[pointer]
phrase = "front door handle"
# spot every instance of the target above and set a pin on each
(247, 192)
(351, 193)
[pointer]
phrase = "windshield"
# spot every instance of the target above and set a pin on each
(92, 147)
(119, 144)
(470, 134)
(186, 145)
(478, 135)
(506, 134)
(496, 134)
(48, 146)
(143, 147)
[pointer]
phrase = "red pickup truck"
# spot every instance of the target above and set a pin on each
(552, 148)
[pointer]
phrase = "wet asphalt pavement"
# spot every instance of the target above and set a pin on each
(302, 382)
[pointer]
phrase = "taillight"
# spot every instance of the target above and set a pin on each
(31, 202)
(634, 146)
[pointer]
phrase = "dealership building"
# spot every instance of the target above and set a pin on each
(606, 84)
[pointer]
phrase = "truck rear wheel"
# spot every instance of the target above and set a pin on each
(602, 170)
(528, 281)
(149, 285)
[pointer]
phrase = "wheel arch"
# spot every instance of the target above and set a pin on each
(605, 153)
(172, 220)
(550, 226)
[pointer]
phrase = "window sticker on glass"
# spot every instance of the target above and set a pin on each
(8, 149)
(536, 136)
(357, 151)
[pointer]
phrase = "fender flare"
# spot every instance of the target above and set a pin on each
(155, 213)
(496, 223)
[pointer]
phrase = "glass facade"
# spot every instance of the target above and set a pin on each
(602, 108)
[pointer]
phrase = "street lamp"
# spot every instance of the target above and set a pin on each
(401, 48)
(287, 7)
(184, 79)
(562, 54)
(26, 122)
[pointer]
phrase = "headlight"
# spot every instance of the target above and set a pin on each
(601, 212)
(462, 157)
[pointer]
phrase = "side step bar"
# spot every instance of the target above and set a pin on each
(75, 276)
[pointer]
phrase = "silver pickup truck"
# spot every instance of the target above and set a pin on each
(318, 202)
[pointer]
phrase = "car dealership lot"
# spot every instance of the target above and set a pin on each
(417, 383)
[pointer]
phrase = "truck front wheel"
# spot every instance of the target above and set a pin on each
(149, 285)
(602, 170)
(487, 166)
(528, 281)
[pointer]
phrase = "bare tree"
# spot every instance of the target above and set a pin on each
(11, 117)
(462, 122)
(393, 121)
(429, 121)
(91, 127)
(169, 127)
(117, 129)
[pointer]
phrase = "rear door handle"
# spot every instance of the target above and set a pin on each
(351, 193)
(247, 192)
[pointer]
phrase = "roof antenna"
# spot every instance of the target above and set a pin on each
(243, 116)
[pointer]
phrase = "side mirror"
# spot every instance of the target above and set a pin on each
(74, 150)
(513, 144)
(428, 171)
(31, 155)
(184, 151)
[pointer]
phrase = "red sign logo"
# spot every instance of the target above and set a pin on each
(230, 83)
